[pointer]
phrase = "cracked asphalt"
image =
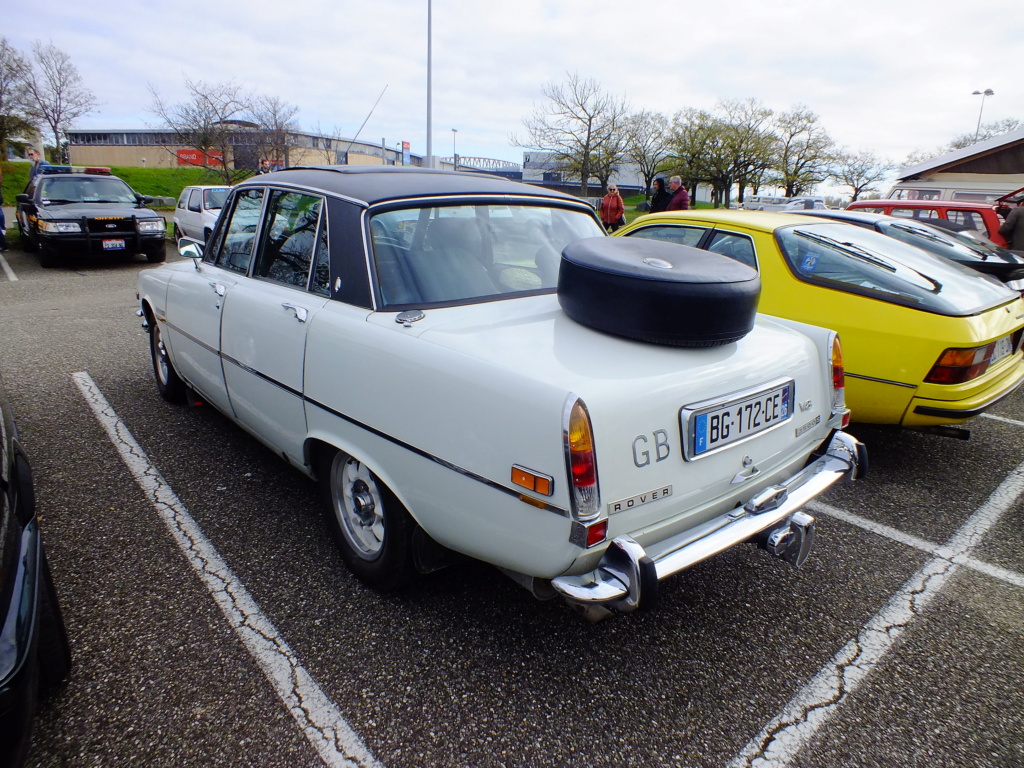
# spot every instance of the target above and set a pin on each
(901, 640)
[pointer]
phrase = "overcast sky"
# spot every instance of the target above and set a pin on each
(890, 76)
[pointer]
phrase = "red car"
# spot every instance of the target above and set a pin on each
(978, 216)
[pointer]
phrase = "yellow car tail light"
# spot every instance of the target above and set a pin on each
(955, 366)
(581, 461)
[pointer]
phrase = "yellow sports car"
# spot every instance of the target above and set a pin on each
(926, 342)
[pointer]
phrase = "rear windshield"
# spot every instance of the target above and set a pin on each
(448, 254)
(860, 261)
(953, 245)
(214, 198)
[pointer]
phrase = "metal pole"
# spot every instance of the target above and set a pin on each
(983, 94)
(430, 141)
(455, 155)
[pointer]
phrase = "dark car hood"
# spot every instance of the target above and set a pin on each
(94, 211)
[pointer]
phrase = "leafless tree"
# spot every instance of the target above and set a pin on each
(859, 171)
(210, 121)
(803, 151)
(14, 73)
(57, 95)
(750, 141)
(274, 136)
(580, 127)
(646, 135)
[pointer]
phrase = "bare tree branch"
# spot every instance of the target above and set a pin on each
(57, 95)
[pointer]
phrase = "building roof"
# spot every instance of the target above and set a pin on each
(1000, 154)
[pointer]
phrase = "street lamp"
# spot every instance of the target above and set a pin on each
(983, 94)
(455, 156)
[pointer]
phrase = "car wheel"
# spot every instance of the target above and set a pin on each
(206, 235)
(657, 292)
(54, 649)
(28, 245)
(372, 529)
(48, 258)
(170, 385)
(177, 235)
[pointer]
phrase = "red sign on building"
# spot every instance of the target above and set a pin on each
(197, 157)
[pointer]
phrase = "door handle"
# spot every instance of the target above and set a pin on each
(300, 312)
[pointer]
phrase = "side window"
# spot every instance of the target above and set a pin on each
(182, 199)
(235, 245)
(322, 265)
(903, 213)
(679, 235)
(736, 247)
(195, 200)
(290, 235)
(969, 219)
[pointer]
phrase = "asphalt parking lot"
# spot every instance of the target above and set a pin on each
(213, 623)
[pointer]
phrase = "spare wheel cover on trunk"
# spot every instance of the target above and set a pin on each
(658, 292)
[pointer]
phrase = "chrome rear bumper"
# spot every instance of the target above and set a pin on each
(627, 576)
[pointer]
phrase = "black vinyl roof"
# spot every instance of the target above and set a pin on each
(377, 184)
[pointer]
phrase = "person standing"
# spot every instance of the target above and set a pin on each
(37, 162)
(680, 197)
(659, 202)
(613, 212)
(1013, 229)
(264, 166)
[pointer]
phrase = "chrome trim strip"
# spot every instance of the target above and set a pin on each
(879, 381)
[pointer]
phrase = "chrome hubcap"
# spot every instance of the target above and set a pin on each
(358, 506)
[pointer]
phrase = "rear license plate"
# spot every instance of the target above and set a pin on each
(718, 425)
(1003, 348)
(113, 245)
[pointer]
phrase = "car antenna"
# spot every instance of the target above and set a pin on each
(367, 118)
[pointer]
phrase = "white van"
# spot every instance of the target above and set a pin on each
(963, 191)
(765, 202)
(197, 211)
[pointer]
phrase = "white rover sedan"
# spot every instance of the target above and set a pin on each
(468, 367)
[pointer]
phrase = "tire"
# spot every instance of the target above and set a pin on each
(54, 648)
(48, 258)
(177, 235)
(27, 244)
(371, 528)
(657, 292)
(206, 235)
(170, 385)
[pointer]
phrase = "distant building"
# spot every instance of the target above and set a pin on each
(160, 149)
(981, 172)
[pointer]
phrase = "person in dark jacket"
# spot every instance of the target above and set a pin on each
(680, 197)
(659, 202)
(1013, 229)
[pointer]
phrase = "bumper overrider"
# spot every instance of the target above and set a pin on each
(627, 576)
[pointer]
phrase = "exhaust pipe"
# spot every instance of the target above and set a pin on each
(792, 540)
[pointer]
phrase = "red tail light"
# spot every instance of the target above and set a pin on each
(838, 376)
(955, 366)
(581, 461)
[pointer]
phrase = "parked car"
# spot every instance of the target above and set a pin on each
(468, 365)
(64, 213)
(197, 211)
(804, 204)
(979, 254)
(35, 655)
(765, 202)
(926, 341)
(981, 217)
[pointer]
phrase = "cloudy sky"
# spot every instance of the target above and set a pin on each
(890, 76)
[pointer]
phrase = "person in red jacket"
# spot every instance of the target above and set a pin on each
(613, 212)
(680, 197)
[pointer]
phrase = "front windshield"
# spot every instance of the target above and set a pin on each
(459, 253)
(98, 189)
(213, 199)
(860, 261)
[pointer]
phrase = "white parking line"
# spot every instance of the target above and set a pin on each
(994, 571)
(320, 721)
(1003, 419)
(779, 742)
(7, 269)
